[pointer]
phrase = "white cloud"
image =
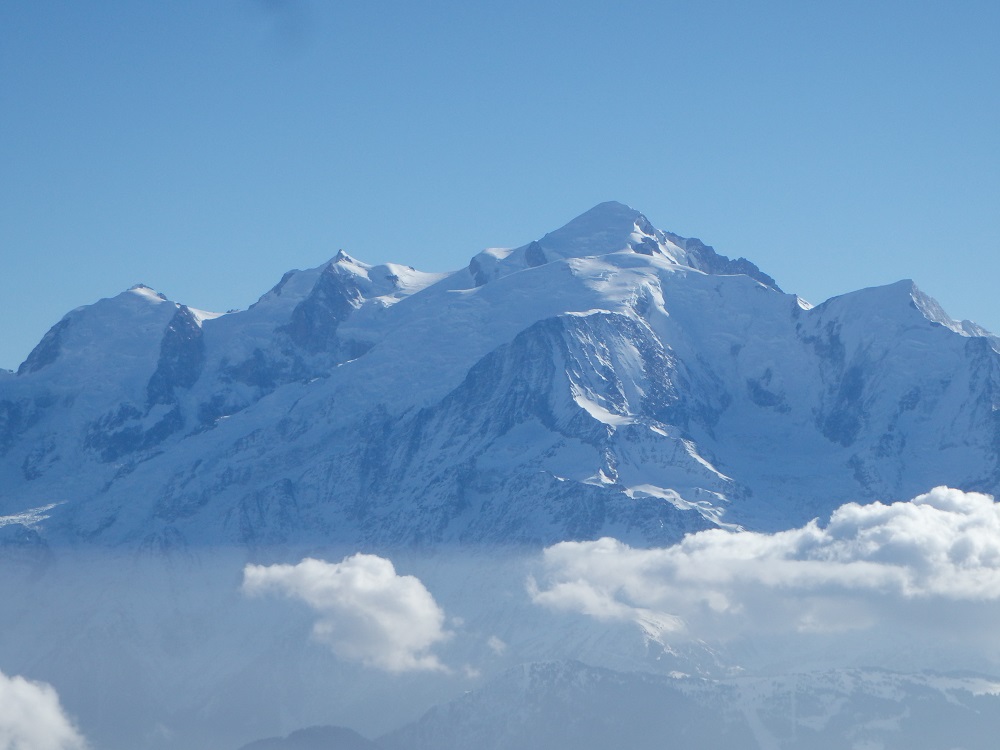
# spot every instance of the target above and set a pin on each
(368, 613)
(32, 719)
(943, 546)
(496, 645)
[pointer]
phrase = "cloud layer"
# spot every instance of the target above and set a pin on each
(943, 546)
(368, 613)
(32, 719)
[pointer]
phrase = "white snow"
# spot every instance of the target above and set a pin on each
(31, 517)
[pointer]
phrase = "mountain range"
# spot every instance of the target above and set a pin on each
(609, 379)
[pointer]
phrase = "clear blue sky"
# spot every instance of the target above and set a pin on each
(204, 148)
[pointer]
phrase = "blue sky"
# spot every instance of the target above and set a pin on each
(206, 148)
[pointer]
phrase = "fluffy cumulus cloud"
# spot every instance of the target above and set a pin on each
(367, 612)
(942, 547)
(32, 719)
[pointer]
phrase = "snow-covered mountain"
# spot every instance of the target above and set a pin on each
(608, 378)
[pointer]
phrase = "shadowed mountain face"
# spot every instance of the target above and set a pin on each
(608, 378)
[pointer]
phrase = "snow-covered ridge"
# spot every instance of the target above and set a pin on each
(608, 228)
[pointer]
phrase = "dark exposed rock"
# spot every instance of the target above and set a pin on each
(534, 256)
(712, 262)
(314, 321)
(123, 432)
(182, 357)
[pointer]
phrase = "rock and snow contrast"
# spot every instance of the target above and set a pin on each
(607, 381)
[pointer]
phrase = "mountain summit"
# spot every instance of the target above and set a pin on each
(607, 228)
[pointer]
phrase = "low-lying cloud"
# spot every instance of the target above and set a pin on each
(368, 613)
(943, 546)
(31, 717)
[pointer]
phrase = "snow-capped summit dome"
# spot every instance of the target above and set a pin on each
(606, 228)
(610, 227)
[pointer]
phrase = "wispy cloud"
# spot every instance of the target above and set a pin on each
(943, 546)
(31, 717)
(367, 612)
